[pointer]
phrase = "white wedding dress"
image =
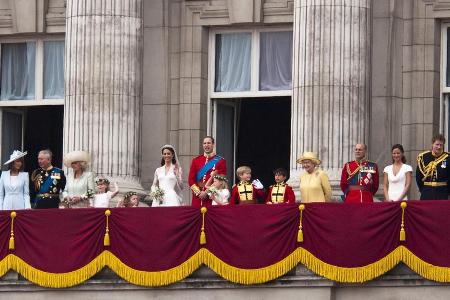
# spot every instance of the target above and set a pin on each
(170, 184)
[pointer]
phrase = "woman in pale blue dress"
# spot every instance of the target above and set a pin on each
(14, 184)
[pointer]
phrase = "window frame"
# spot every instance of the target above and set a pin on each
(39, 71)
(254, 68)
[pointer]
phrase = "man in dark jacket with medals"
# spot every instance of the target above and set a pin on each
(433, 174)
(48, 182)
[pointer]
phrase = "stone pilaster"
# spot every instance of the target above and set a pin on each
(102, 106)
(331, 81)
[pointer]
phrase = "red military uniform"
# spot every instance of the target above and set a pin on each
(198, 184)
(280, 193)
(245, 193)
(359, 181)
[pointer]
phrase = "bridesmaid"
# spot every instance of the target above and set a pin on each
(397, 177)
(14, 184)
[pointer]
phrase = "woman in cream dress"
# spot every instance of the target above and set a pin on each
(168, 178)
(80, 182)
(314, 183)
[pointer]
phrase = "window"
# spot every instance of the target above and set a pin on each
(18, 71)
(251, 63)
(444, 126)
(32, 72)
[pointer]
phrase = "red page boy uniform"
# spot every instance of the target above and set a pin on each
(199, 173)
(359, 181)
(246, 193)
(280, 193)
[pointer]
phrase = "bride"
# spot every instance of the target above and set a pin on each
(168, 178)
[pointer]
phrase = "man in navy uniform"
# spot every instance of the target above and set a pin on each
(433, 174)
(48, 182)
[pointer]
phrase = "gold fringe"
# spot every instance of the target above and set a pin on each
(251, 276)
(158, 278)
(356, 274)
(424, 269)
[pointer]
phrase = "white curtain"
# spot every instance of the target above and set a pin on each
(275, 62)
(18, 71)
(233, 62)
(54, 70)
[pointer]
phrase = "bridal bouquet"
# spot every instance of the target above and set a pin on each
(157, 194)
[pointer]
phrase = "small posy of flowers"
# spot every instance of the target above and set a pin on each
(212, 191)
(89, 194)
(68, 202)
(157, 194)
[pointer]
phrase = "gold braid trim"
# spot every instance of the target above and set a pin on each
(431, 167)
(351, 174)
(420, 163)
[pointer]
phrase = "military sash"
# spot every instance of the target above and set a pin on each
(208, 166)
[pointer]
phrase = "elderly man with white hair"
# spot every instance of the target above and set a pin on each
(48, 182)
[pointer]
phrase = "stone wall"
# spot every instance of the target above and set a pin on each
(399, 283)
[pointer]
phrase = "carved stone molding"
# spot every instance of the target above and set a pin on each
(228, 12)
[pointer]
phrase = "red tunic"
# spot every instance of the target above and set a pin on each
(359, 181)
(288, 197)
(256, 194)
(196, 165)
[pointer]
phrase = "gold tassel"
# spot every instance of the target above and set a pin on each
(106, 241)
(203, 210)
(402, 226)
(300, 226)
(11, 238)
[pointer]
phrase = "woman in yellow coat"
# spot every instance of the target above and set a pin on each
(314, 183)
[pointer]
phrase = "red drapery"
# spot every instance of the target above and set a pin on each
(244, 244)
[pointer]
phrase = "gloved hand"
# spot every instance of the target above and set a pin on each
(258, 185)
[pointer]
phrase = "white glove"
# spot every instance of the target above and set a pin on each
(258, 185)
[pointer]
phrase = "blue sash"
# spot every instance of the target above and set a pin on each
(45, 187)
(208, 166)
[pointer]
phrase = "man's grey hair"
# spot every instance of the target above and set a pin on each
(47, 152)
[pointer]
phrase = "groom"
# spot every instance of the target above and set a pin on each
(200, 171)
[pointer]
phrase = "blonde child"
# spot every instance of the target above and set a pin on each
(131, 199)
(246, 192)
(217, 189)
(103, 195)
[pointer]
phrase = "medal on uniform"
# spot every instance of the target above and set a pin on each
(444, 164)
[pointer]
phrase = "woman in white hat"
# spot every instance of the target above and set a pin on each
(80, 182)
(314, 183)
(14, 184)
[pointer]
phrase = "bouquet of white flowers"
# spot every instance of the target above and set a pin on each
(157, 194)
(212, 191)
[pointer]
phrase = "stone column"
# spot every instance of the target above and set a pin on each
(102, 106)
(331, 81)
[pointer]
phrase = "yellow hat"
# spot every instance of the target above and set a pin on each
(309, 156)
